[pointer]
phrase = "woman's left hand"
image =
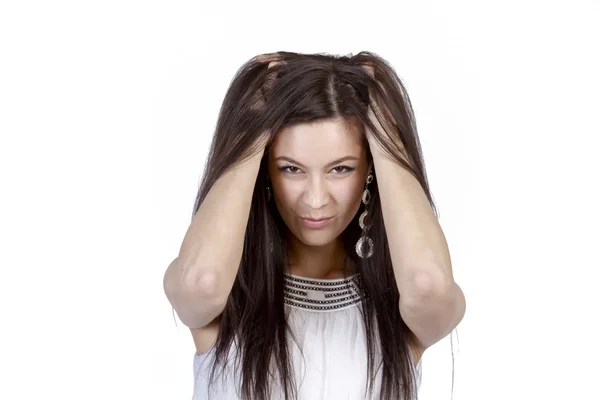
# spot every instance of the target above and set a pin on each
(386, 127)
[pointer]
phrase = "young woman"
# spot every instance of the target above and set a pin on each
(314, 266)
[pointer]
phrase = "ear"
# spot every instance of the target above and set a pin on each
(370, 167)
(369, 171)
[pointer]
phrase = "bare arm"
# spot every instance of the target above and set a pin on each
(199, 280)
(432, 304)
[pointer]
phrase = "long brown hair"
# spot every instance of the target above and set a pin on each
(303, 88)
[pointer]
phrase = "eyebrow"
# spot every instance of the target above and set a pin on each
(338, 161)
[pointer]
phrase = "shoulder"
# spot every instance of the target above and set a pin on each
(206, 337)
(416, 349)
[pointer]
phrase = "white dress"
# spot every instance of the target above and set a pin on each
(331, 362)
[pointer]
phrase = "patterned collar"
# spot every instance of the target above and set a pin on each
(322, 294)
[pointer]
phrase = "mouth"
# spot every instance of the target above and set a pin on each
(316, 223)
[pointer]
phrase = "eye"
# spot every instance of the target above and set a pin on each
(290, 169)
(340, 169)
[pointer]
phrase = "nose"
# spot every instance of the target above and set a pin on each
(316, 194)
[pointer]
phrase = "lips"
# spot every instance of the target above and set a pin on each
(315, 223)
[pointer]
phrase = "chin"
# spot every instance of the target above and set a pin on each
(316, 239)
(316, 242)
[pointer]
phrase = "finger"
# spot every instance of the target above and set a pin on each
(370, 70)
(273, 63)
(267, 58)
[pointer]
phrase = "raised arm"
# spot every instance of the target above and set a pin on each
(198, 282)
(432, 304)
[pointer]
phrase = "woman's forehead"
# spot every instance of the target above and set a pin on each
(333, 136)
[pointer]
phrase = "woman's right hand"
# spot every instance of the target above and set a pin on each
(271, 60)
(260, 100)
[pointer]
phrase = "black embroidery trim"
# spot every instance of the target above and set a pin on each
(338, 294)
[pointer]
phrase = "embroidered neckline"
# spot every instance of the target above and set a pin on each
(321, 294)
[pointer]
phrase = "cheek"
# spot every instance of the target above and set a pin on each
(349, 196)
(286, 196)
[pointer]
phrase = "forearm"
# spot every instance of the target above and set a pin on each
(418, 247)
(212, 247)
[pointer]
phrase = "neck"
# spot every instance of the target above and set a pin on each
(320, 262)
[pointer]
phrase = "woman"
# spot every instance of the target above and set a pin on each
(314, 266)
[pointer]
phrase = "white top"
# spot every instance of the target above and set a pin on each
(330, 362)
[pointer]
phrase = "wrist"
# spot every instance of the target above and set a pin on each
(380, 153)
(375, 146)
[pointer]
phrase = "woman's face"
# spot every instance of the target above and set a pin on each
(317, 172)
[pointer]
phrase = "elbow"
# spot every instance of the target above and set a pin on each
(195, 296)
(425, 287)
(207, 285)
(427, 284)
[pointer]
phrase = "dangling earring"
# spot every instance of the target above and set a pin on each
(366, 198)
(268, 193)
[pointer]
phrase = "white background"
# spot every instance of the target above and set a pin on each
(106, 111)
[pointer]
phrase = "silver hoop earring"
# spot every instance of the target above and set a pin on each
(364, 239)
